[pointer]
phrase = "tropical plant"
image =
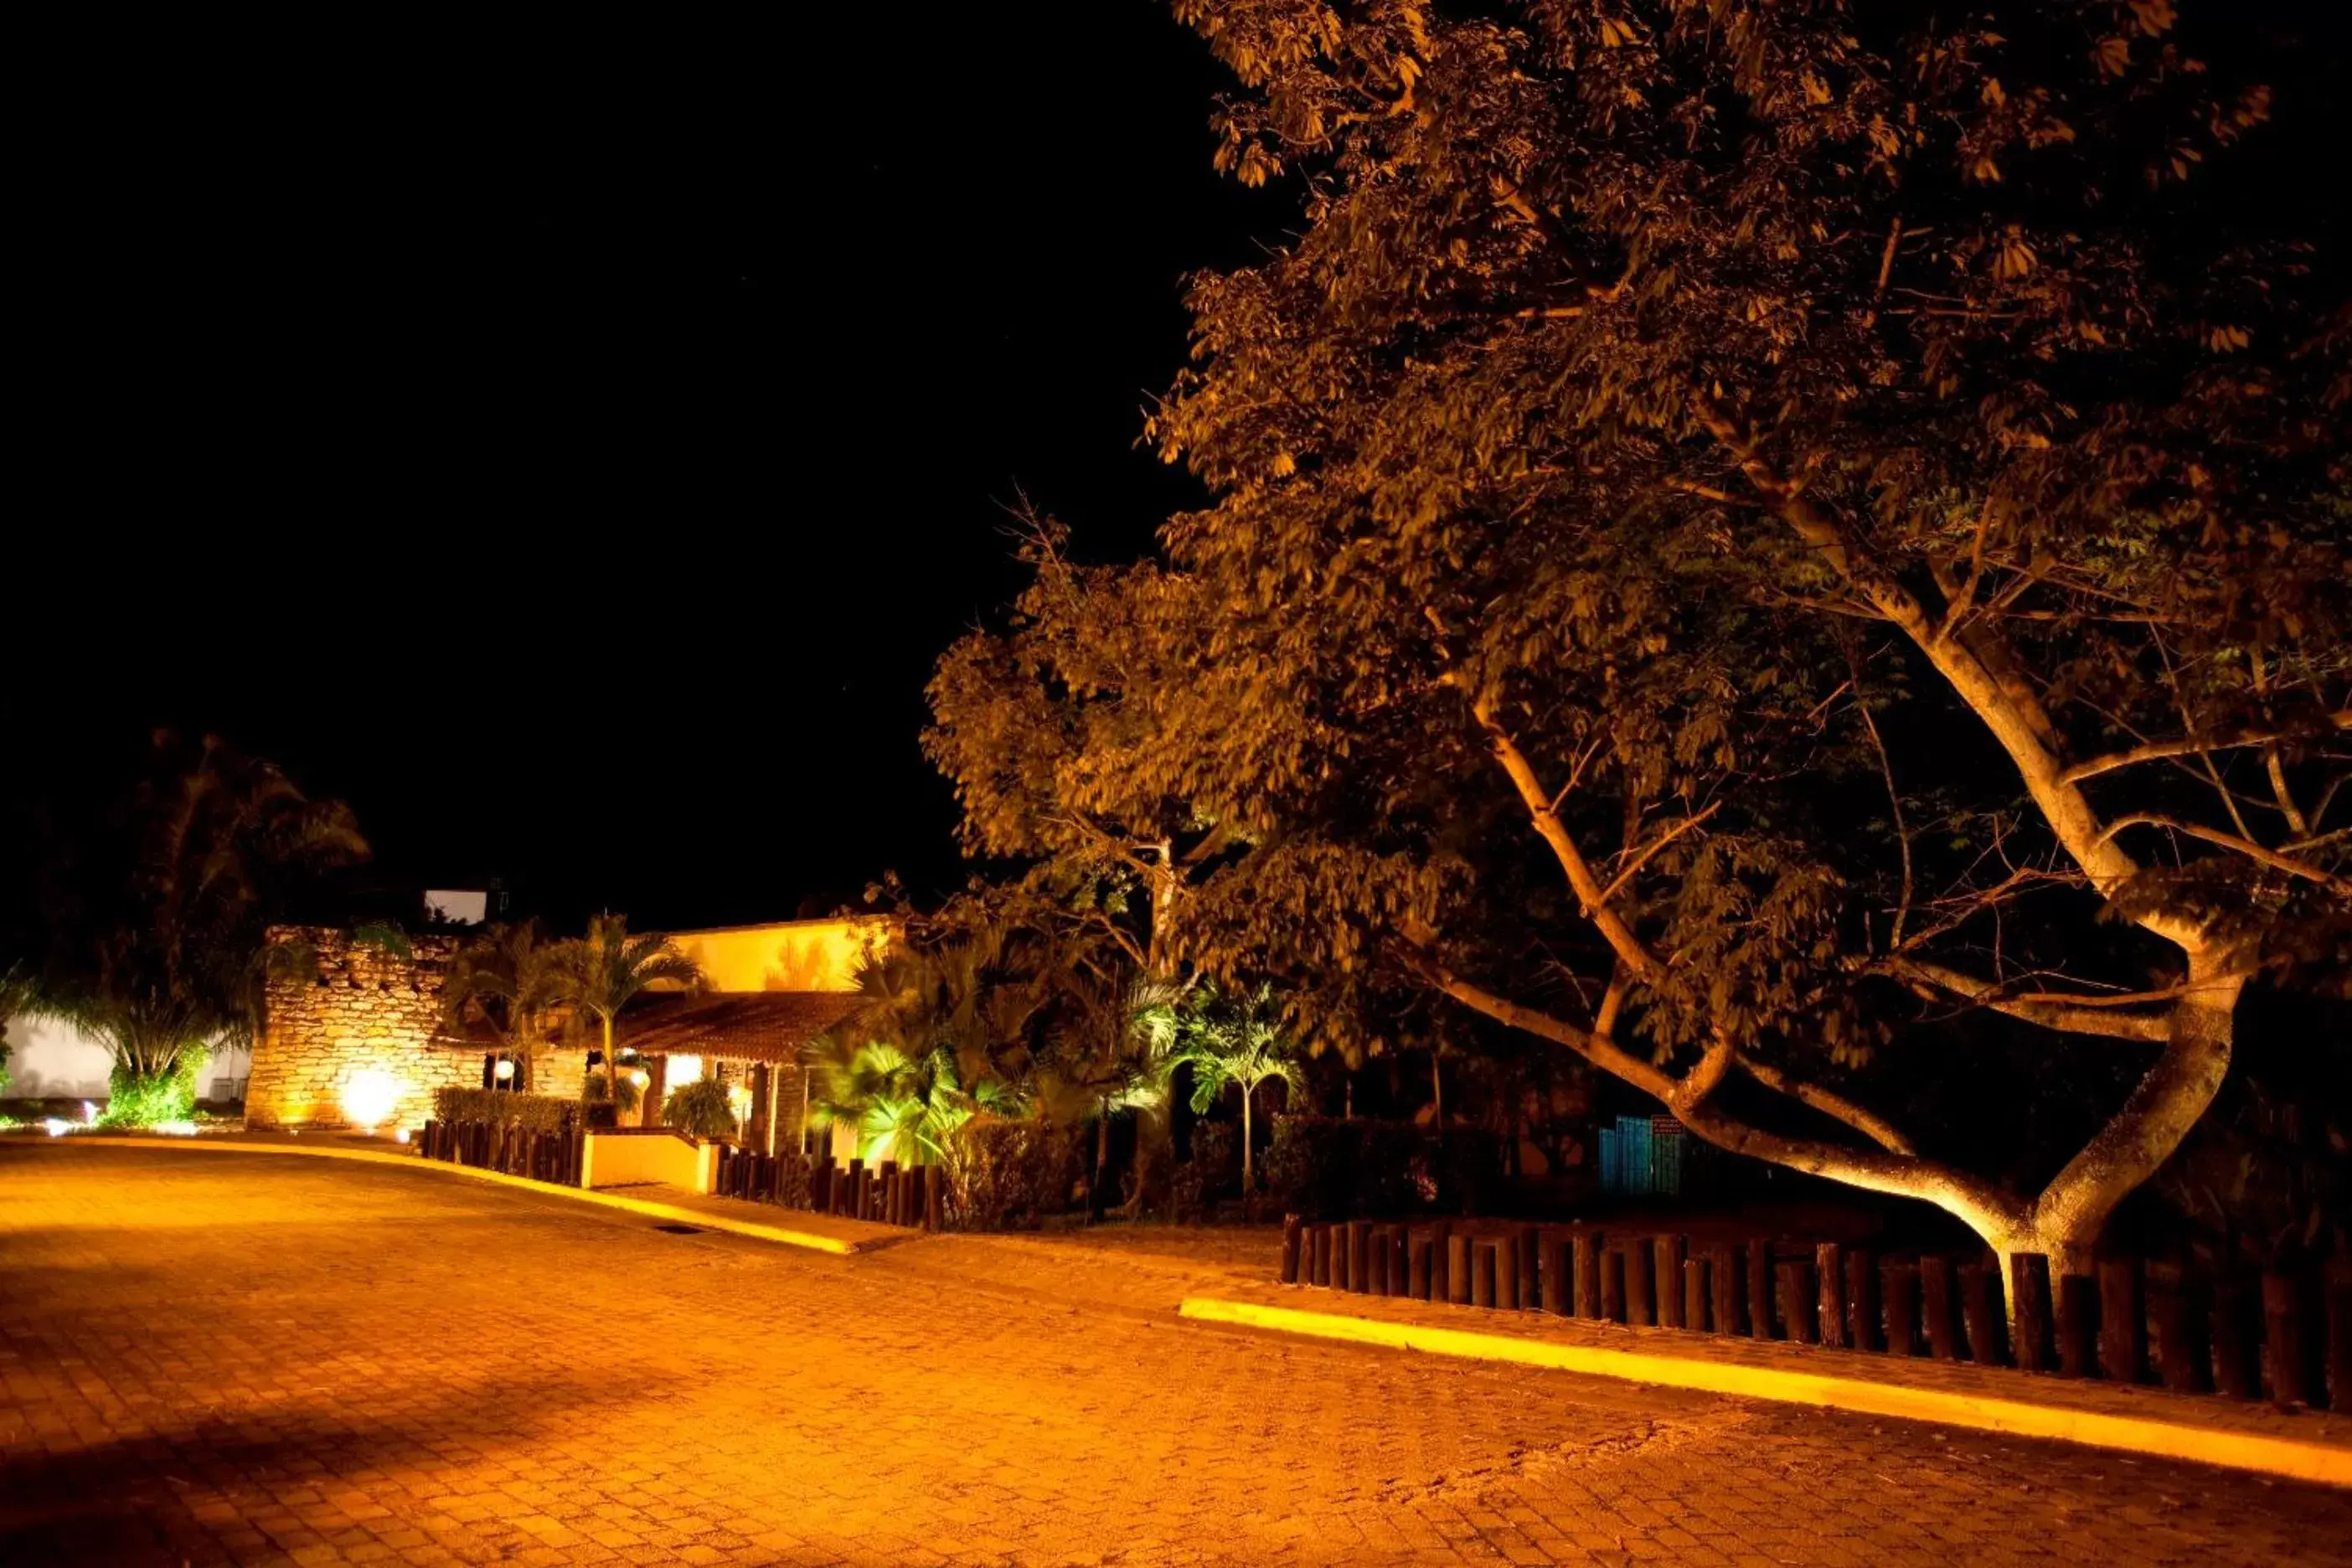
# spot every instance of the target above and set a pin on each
(159, 950)
(600, 973)
(897, 1107)
(135, 1100)
(505, 980)
(701, 1108)
(1231, 1040)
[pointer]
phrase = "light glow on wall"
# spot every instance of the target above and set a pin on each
(369, 1096)
(685, 1070)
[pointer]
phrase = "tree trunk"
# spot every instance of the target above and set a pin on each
(1249, 1184)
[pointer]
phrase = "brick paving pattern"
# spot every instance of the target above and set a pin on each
(223, 1359)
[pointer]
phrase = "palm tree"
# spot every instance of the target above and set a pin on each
(1231, 1040)
(505, 980)
(605, 971)
(900, 1107)
(169, 954)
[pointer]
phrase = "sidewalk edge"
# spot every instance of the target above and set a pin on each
(2286, 1457)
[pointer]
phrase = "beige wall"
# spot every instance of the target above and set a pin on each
(790, 956)
(627, 1159)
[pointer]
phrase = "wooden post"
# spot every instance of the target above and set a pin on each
(1636, 1253)
(2183, 1357)
(933, 1200)
(1760, 1289)
(1695, 1294)
(1523, 1238)
(1360, 1256)
(1417, 1286)
(1936, 1307)
(1900, 1281)
(2339, 1339)
(1322, 1270)
(1376, 1255)
(856, 1182)
(2290, 1342)
(1554, 1269)
(1441, 1262)
(2029, 1280)
(1798, 1300)
(2078, 1325)
(1586, 1245)
(1290, 1229)
(1506, 1272)
(1980, 1314)
(1829, 1267)
(1723, 1280)
(1612, 1284)
(2123, 1321)
(1667, 1253)
(1457, 1269)
(889, 1200)
(1862, 1303)
(1400, 1259)
(1482, 1275)
(2237, 1365)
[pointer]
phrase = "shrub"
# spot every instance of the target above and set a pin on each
(1211, 1171)
(596, 1089)
(137, 1101)
(536, 1113)
(792, 1180)
(700, 1108)
(1002, 1173)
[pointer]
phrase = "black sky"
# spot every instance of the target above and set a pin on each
(573, 449)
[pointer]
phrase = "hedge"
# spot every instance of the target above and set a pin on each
(536, 1113)
(1213, 1170)
(1002, 1173)
(1331, 1168)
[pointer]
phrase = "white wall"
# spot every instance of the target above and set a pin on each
(49, 1061)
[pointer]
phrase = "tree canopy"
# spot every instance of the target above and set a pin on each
(1736, 526)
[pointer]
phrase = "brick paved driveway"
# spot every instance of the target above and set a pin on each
(219, 1358)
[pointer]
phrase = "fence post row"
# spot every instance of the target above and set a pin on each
(2123, 1322)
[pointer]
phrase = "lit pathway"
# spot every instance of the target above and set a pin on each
(233, 1358)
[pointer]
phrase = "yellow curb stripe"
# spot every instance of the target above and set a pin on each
(646, 1206)
(2238, 1450)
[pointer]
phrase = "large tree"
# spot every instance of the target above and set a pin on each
(1858, 491)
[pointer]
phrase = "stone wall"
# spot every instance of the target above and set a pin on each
(356, 1031)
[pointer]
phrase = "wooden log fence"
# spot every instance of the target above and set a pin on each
(910, 1196)
(2279, 1336)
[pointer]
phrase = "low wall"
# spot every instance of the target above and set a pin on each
(621, 1159)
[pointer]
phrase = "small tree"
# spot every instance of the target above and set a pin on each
(1237, 1041)
(506, 980)
(605, 971)
(701, 1108)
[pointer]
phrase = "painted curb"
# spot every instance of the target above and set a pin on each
(781, 1234)
(2298, 1460)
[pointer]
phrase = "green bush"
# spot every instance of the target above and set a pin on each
(1001, 1173)
(596, 1089)
(1327, 1168)
(133, 1101)
(536, 1113)
(700, 1108)
(1212, 1172)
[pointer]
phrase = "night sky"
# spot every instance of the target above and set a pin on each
(575, 449)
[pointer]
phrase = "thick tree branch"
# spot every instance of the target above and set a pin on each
(1979, 668)
(1869, 1123)
(1646, 856)
(1590, 893)
(2341, 886)
(1904, 1175)
(2074, 1016)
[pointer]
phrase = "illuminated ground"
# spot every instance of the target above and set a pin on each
(214, 1357)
